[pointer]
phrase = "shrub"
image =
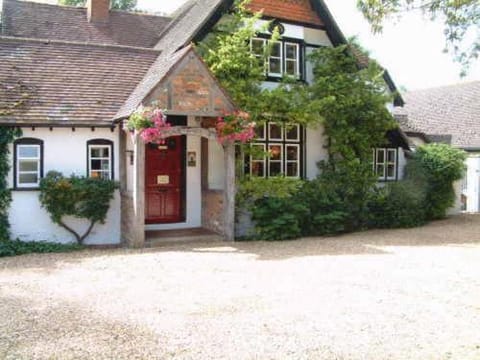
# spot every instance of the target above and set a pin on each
(252, 189)
(437, 167)
(278, 218)
(397, 205)
(84, 198)
(17, 247)
(328, 213)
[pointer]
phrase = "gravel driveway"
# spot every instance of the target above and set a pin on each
(401, 294)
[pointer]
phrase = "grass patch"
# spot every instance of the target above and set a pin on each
(17, 247)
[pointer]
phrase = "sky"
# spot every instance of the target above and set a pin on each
(411, 49)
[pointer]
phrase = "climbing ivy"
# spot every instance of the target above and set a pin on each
(7, 136)
(80, 197)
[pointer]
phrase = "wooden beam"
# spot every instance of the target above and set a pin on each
(229, 192)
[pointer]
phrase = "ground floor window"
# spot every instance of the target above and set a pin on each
(28, 154)
(100, 159)
(385, 163)
(277, 150)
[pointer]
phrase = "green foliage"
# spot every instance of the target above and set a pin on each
(84, 198)
(352, 105)
(252, 189)
(17, 247)
(328, 211)
(460, 18)
(115, 4)
(397, 205)
(278, 218)
(437, 167)
(7, 136)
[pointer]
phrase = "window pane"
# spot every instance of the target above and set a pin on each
(257, 152)
(275, 152)
(105, 164)
(28, 178)
(275, 168)
(257, 168)
(260, 131)
(28, 165)
(380, 156)
(291, 67)
(292, 152)
(292, 169)
(291, 51)
(275, 66)
(380, 170)
(292, 133)
(391, 155)
(28, 151)
(257, 47)
(96, 165)
(276, 132)
(105, 175)
(276, 50)
(100, 152)
(391, 171)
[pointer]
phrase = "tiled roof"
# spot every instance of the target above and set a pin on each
(63, 83)
(43, 21)
(453, 110)
(188, 21)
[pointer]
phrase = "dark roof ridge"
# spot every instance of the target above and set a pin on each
(464, 83)
(80, 43)
(178, 14)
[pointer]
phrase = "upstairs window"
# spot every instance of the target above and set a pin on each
(100, 159)
(277, 150)
(28, 154)
(385, 163)
(284, 57)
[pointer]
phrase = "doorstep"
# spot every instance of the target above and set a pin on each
(154, 238)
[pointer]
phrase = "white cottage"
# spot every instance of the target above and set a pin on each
(72, 76)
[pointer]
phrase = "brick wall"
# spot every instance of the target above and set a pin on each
(191, 89)
(98, 10)
(293, 10)
(212, 210)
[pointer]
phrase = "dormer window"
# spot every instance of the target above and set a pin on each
(284, 57)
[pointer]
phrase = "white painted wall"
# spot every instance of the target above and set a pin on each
(194, 189)
(65, 151)
(472, 177)
(315, 148)
(216, 167)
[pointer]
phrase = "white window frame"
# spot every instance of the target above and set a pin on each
(262, 161)
(280, 58)
(385, 163)
(289, 127)
(38, 159)
(296, 145)
(282, 132)
(109, 158)
(296, 60)
(276, 161)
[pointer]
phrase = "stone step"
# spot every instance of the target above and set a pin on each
(156, 238)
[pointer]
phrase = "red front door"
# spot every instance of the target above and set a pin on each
(165, 181)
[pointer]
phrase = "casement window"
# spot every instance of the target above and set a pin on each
(28, 163)
(100, 159)
(284, 57)
(385, 163)
(277, 150)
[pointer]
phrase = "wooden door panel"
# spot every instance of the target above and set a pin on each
(165, 181)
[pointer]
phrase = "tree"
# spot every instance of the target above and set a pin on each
(460, 18)
(116, 4)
